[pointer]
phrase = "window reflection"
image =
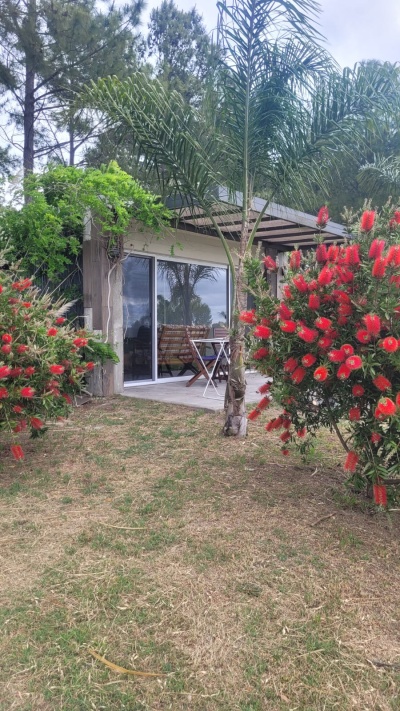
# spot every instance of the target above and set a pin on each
(137, 311)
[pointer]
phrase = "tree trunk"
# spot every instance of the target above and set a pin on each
(235, 405)
(29, 118)
(71, 144)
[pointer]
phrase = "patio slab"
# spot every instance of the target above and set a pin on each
(178, 394)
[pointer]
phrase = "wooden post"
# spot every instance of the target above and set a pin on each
(102, 302)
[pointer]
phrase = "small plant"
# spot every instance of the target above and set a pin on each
(43, 360)
(332, 345)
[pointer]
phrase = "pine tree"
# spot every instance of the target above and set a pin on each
(49, 48)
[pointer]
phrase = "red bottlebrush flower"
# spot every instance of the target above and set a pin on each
(261, 353)
(363, 336)
(36, 423)
(17, 451)
(323, 216)
(3, 393)
(312, 285)
(358, 390)
(321, 254)
(333, 253)
(354, 362)
(18, 409)
(22, 285)
(263, 404)
(1, 288)
(12, 300)
(270, 425)
(347, 349)
(314, 302)
(376, 248)
(285, 452)
(345, 309)
(6, 338)
(323, 323)
(27, 392)
(379, 268)
(270, 264)
(253, 415)
(375, 437)
(336, 356)
(389, 344)
(264, 388)
(395, 279)
(29, 370)
(288, 326)
(298, 375)
(301, 433)
(290, 365)
(16, 372)
(285, 436)
(354, 414)
(287, 293)
(60, 320)
(325, 342)
(90, 365)
(321, 373)
(22, 348)
(380, 494)
(57, 369)
(325, 276)
(351, 462)
(259, 332)
(283, 311)
(385, 408)
(393, 256)
(6, 349)
(382, 383)
(21, 426)
(344, 372)
(286, 422)
(300, 284)
(295, 260)
(367, 220)
(308, 360)
(52, 331)
(309, 335)
(27, 304)
(80, 342)
(67, 398)
(248, 316)
(4, 371)
(352, 256)
(341, 296)
(373, 324)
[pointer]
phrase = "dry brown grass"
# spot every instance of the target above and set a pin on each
(136, 530)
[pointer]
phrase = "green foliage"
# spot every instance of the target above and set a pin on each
(332, 344)
(101, 352)
(46, 233)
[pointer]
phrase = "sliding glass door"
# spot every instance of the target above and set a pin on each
(138, 318)
(158, 293)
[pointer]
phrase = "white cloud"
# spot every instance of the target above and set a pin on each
(354, 29)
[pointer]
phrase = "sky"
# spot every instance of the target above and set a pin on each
(354, 29)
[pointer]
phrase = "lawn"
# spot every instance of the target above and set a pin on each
(245, 581)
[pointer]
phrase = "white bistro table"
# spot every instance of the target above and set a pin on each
(221, 353)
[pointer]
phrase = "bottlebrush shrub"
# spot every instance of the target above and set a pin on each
(43, 360)
(340, 366)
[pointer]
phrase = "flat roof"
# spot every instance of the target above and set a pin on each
(280, 227)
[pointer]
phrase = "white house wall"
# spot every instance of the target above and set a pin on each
(179, 244)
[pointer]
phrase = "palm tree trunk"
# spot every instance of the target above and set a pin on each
(235, 405)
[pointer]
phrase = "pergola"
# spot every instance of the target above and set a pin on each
(280, 228)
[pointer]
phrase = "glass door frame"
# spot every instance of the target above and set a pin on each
(154, 258)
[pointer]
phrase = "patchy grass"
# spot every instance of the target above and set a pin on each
(248, 582)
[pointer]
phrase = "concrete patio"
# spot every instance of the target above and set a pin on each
(178, 394)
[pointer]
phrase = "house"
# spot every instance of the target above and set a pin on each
(178, 277)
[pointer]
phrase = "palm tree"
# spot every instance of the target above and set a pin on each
(253, 134)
